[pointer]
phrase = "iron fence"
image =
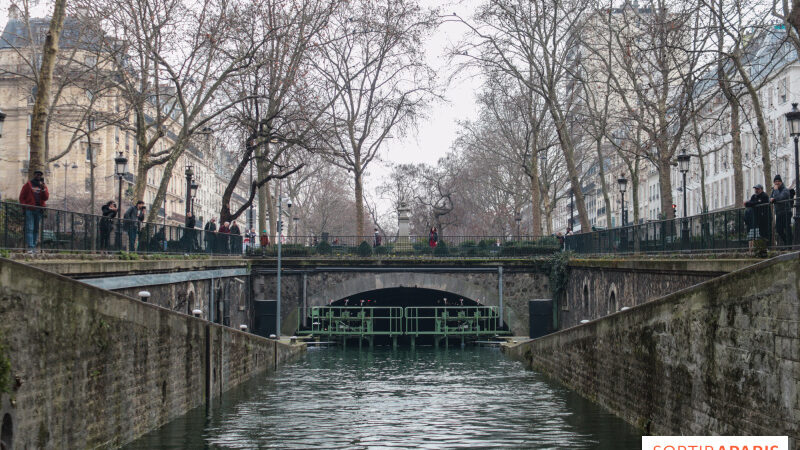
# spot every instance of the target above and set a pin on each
(446, 246)
(767, 226)
(51, 229)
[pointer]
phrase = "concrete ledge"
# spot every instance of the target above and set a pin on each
(111, 267)
(699, 264)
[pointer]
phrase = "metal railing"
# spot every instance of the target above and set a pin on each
(356, 321)
(446, 246)
(767, 225)
(55, 230)
(452, 320)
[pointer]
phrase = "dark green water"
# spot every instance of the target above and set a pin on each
(337, 398)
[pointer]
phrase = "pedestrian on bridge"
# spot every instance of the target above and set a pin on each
(34, 194)
(783, 211)
(209, 236)
(106, 224)
(433, 238)
(133, 217)
(757, 214)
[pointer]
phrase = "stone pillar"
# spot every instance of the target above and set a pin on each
(403, 219)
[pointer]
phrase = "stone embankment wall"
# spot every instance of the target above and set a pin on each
(599, 287)
(92, 368)
(181, 285)
(722, 357)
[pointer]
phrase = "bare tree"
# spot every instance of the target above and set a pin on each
(535, 43)
(379, 83)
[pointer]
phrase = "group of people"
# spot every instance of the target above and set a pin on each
(226, 239)
(758, 214)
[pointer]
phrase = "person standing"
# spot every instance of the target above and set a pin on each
(433, 238)
(757, 214)
(188, 235)
(107, 224)
(377, 238)
(132, 217)
(236, 238)
(783, 210)
(209, 236)
(223, 238)
(34, 194)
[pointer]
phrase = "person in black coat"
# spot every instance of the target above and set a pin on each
(783, 211)
(107, 224)
(757, 214)
(188, 233)
(236, 238)
(210, 235)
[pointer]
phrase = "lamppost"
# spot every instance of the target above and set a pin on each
(189, 174)
(280, 232)
(518, 219)
(683, 166)
(2, 121)
(623, 186)
(119, 170)
(66, 166)
(295, 220)
(793, 117)
(193, 189)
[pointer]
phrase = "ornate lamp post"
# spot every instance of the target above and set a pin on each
(193, 189)
(120, 163)
(793, 118)
(683, 166)
(189, 174)
(623, 186)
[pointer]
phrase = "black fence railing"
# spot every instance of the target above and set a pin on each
(444, 246)
(765, 226)
(25, 227)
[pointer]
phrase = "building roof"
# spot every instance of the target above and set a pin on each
(75, 34)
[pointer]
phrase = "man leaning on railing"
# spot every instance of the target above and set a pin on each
(783, 211)
(34, 193)
(757, 215)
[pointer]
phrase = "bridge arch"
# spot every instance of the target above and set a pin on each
(358, 283)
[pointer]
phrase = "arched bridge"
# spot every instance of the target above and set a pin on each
(508, 286)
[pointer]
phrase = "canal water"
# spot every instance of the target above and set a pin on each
(345, 398)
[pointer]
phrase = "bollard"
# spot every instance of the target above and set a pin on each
(243, 327)
(272, 336)
(197, 312)
(584, 321)
(144, 295)
(293, 340)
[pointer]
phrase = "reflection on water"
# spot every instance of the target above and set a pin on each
(343, 398)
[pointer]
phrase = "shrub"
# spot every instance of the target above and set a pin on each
(324, 248)
(364, 249)
(383, 249)
(441, 249)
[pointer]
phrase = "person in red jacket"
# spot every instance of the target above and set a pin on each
(34, 193)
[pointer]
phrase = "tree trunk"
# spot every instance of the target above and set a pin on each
(263, 193)
(91, 191)
(42, 103)
(635, 189)
(162, 187)
(736, 157)
(359, 191)
(572, 171)
(271, 213)
(763, 135)
(536, 195)
(665, 186)
(601, 173)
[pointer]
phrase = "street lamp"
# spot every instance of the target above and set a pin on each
(2, 121)
(193, 189)
(623, 186)
(683, 166)
(120, 163)
(793, 117)
(66, 166)
(189, 174)
(518, 219)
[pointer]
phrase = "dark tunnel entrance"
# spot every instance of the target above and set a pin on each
(403, 316)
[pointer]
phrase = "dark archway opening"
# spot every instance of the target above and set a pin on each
(404, 316)
(7, 433)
